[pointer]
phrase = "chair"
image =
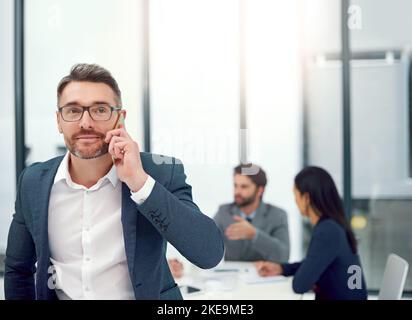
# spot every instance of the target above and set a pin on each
(394, 278)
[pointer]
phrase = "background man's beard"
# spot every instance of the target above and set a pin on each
(246, 201)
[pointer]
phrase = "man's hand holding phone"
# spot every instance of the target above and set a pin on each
(126, 156)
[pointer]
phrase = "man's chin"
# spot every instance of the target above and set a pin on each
(243, 204)
(239, 204)
(86, 155)
(89, 151)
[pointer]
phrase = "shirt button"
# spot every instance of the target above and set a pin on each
(87, 259)
(87, 289)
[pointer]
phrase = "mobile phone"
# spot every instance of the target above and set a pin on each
(119, 121)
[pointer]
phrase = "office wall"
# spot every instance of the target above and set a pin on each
(194, 69)
(383, 24)
(379, 94)
(7, 142)
(274, 102)
(380, 90)
(195, 92)
(380, 144)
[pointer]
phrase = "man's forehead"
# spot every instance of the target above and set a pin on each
(87, 93)
(239, 178)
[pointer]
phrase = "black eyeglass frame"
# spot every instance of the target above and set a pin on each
(87, 108)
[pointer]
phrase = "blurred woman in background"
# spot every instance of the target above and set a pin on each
(332, 266)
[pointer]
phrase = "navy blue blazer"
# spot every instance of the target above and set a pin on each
(326, 266)
(168, 214)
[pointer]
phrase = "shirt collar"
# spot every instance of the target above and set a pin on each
(244, 215)
(63, 174)
(112, 176)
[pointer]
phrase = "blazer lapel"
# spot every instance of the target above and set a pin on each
(259, 219)
(234, 210)
(41, 202)
(41, 196)
(129, 223)
(144, 249)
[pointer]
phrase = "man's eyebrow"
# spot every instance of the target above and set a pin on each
(77, 104)
(70, 104)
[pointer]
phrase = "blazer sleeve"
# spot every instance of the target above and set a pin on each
(322, 250)
(173, 213)
(274, 246)
(289, 269)
(20, 256)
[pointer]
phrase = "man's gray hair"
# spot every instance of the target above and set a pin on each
(90, 73)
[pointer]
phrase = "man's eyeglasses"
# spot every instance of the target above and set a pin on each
(98, 112)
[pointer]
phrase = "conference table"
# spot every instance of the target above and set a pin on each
(235, 281)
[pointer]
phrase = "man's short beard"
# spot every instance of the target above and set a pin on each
(247, 201)
(98, 151)
(104, 149)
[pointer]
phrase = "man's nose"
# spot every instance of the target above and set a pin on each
(86, 122)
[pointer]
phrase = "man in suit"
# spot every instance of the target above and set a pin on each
(96, 221)
(254, 230)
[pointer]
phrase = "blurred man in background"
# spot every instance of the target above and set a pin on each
(253, 229)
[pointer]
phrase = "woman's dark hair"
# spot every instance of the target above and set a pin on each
(324, 198)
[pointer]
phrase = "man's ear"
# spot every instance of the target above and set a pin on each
(261, 190)
(58, 122)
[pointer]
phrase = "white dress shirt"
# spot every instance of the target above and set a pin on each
(86, 236)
